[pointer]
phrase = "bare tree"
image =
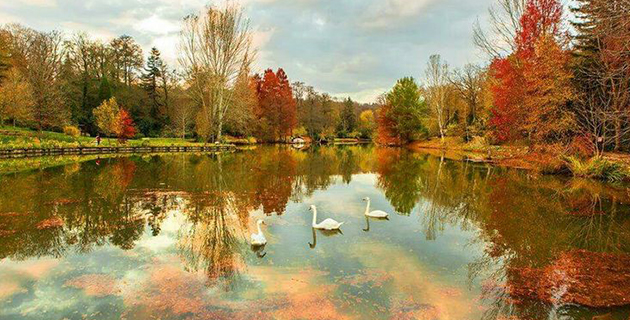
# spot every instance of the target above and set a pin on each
(127, 58)
(603, 108)
(182, 111)
(437, 89)
(504, 23)
(468, 82)
(216, 48)
(38, 57)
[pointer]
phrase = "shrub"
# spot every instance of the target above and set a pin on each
(72, 131)
(597, 168)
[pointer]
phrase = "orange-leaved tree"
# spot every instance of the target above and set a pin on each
(276, 110)
(532, 86)
(548, 91)
(126, 128)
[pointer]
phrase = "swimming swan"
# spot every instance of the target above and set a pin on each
(259, 240)
(328, 224)
(374, 214)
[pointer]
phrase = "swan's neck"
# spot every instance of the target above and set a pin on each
(314, 216)
(259, 229)
(367, 208)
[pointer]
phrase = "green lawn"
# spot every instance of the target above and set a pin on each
(19, 138)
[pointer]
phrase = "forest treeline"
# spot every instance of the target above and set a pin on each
(551, 79)
(78, 85)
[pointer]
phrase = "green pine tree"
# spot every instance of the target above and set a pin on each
(406, 108)
(104, 90)
(348, 121)
(151, 84)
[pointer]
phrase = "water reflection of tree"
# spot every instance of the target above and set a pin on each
(529, 221)
(523, 220)
(113, 202)
(91, 203)
(213, 241)
(401, 177)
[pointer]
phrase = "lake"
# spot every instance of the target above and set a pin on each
(166, 237)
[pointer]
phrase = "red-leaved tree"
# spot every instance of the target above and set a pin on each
(385, 125)
(126, 128)
(541, 17)
(531, 86)
(276, 110)
(507, 93)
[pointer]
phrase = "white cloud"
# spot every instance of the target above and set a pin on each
(157, 25)
(7, 18)
(385, 13)
(363, 96)
(36, 3)
(102, 34)
(168, 48)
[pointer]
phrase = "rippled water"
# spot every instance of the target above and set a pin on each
(166, 237)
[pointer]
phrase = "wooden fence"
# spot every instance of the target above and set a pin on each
(36, 152)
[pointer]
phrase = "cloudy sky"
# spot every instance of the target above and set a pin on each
(354, 48)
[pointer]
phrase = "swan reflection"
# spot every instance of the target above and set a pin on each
(326, 233)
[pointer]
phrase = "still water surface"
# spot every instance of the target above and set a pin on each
(166, 237)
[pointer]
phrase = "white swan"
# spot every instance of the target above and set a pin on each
(328, 224)
(258, 239)
(374, 214)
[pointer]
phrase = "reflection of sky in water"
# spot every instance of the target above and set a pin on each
(391, 265)
(410, 267)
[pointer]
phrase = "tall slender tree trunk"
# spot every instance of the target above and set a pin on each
(617, 134)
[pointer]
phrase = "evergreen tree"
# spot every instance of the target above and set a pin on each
(104, 90)
(151, 82)
(348, 118)
(400, 118)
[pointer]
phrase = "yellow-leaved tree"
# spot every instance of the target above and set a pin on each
(106, 116)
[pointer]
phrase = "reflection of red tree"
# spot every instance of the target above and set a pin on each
(123, 172)
(385, 157)
(274, 181)
(580, 277)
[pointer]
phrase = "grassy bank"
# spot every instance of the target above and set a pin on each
(20, 138)
(612, 167)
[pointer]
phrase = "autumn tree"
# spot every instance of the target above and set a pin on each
(532, 87)
(498, 40)
(276, 110)
(126, 59)
(469, 83)
(215, 50)
(241, 120)
(5, 63)
(182, 111)
(125, 127)
(437, 90)
(400, 116)
(602, 73)
(548, 91)
(38, 58)
(16, 98)
(367, 124)
(107, 117)
(507, 88)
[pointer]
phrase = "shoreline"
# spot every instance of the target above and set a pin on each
(72, 151)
